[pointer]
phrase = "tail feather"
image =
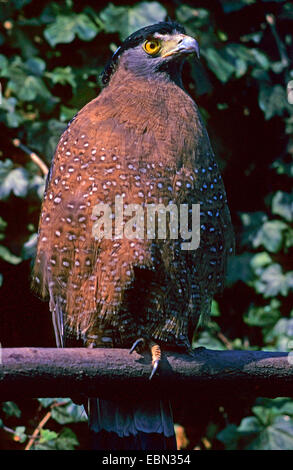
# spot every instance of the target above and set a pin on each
(131, 426)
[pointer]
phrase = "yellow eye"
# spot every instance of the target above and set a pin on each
(152, 46)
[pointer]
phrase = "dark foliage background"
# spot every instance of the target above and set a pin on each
(51, 56)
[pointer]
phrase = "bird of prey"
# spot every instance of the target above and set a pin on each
(140, 143)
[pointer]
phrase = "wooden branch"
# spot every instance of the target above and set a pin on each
(112, 373)
(34, 157)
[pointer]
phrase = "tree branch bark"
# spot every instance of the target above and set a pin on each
(113, 373)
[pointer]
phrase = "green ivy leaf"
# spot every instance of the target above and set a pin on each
(37, 185)
(248, 426)
(9, 257)
(259, 261)
(8, 113)
(63, 75)
(272, 100)
(251, 222)
(3, 64)
(69, 413)
(283, 168)
(66, 27)
(20, 433)
(278, 406)
(126, 20)
(29, 248)
(271, 235)
(260, 58)
(44, 136)
(282, 205)
(239, 268)
(28, 87)
(13, 180)
(241, 57)
(263, 414)
(19, 4)
(266, 430)
(277, 436)
(24, 80)
(113, 17)
(218, 64)
(54, 9)
(66, 114)
(234, 59)
(281, 335)
(235, 5)
(273, 282)
(263, 316)
(192, 18)
(50, 401)
(36, 66)
(286, 407)
(47, 435)
(229, 437)
(67, 440)
(11, 409)
(215, 309)
(207, 340)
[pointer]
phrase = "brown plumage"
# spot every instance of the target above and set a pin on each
(142, 138)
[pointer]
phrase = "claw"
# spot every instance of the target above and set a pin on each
(155, 366)
(155, 351)
(156, 357)
(135, 344)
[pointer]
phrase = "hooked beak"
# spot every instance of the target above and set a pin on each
(181, 44)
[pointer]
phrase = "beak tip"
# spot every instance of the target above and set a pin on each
(197, 51)
(192, 45)
(196, 48)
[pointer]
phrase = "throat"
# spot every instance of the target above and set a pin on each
(166, 72)
(172, 72)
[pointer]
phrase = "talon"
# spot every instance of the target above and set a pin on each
(156, 357)
(135, 344)
(155, 366)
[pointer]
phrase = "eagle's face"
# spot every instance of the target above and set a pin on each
(159, 48)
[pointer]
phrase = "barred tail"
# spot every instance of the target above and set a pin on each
(131, 426)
